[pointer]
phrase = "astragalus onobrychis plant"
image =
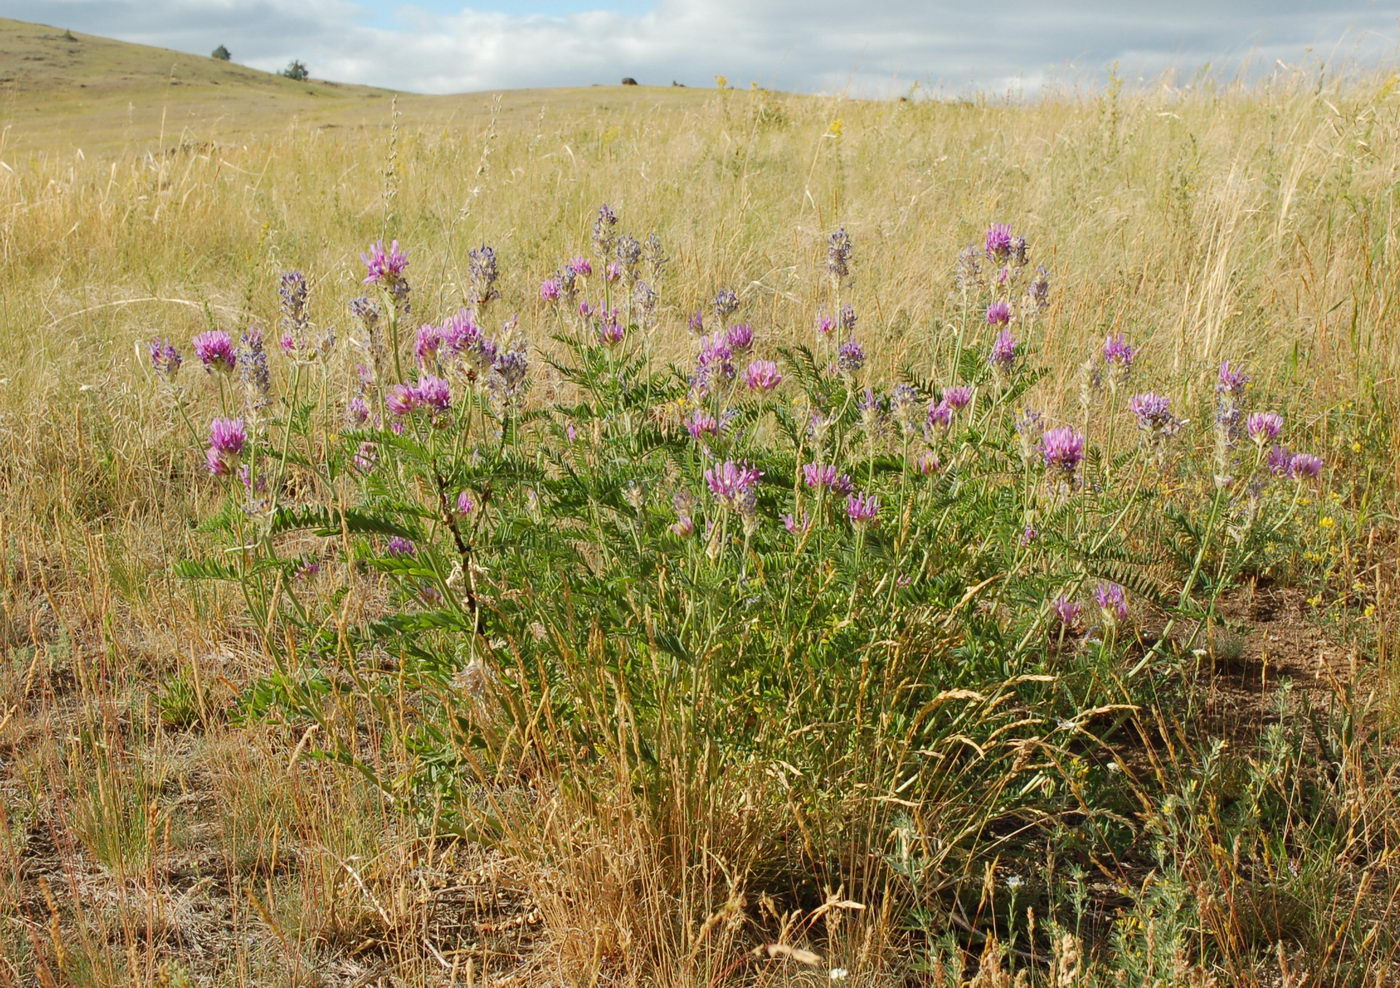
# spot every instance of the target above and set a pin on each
(824, 629)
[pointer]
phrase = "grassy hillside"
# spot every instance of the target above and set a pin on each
(98, 95)
(149, 835)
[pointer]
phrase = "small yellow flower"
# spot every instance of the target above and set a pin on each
(1315, 600)
(1326, 521)
(1305, 500)
(1335, 498)
(837, 126)
(1370, 611)
(721, 82)
(1355, 446)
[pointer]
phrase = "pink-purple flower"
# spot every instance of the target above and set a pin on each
(733, 483)
(1068, 611)
(1305, 465)
(1110, 598)
(998, 241)
(958, 397)
(400, 546)
(862, 509)
(700, 424)
(1264, 427)
(1232, 380)
(739, 336)
(999, 313)
(164, 357)
(819, 475)
(227, 439)
(549, 290)
(384, 266)
(1118, 352)
(215, 351)
(581, 266)
(1062, 449)
(762, 375)
(465, 504)
(1003, 353)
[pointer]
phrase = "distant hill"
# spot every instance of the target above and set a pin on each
(61, 91)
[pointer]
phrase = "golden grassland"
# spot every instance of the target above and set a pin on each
(146, 840)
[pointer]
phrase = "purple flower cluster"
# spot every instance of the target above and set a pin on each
(164, 357)
(1282, 462)
(1063, 450)
(1154, 414)
(1118, 353)
(1068, 611)
(431, 394)
(400, 546)
(862, 509)
(384, 267)
(227, 439)
(1263, 427)
(215, 351)
(1111, 601)
(999, 313)
(734, 485)
(1003, 354)
(818, 476)
(850, 357)
(762, 375)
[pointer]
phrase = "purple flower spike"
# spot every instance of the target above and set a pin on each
(400, 546)
(164, 357)
(1067, 610)
(1003, 353)
(611, 333)
(1264, 427)
(612, 273)
(1028, 535)
(581, 266)
(215, 351)
(762, 375)
(1154, 414)
(826, 324)
(940, 414)
(1109, 597)
(850, 358)
(1305, 465)
(958, 398)
(1232, 379)
(357, 411)
(796, 525)
(1118, 352)
(999, 313)
(733, 483)
(862, 509)
(384, 266)
(549, 290)
(465, 504)
(999, 241)
(1062, 449)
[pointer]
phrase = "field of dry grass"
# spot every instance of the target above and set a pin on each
(148, 838)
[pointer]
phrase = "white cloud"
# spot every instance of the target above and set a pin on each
(877, 48)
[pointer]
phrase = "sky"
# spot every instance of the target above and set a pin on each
(869, 48)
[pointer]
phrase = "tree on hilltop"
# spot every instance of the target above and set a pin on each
(296, 70)
(221, 53)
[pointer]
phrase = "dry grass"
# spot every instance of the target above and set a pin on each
(146, 840)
